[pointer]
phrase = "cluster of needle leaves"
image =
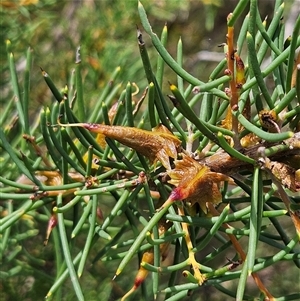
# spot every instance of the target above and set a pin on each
(198, 186)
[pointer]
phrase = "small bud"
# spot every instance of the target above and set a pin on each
(51, 225)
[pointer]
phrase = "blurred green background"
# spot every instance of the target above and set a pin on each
(106, 32)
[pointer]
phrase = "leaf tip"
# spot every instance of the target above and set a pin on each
(118, 272)
(140, 5)
(291, 134)
(172, 86)
(8, 42)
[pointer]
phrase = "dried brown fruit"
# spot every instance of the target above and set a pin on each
(269, 120)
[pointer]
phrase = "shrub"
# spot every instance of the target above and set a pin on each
(201, 185)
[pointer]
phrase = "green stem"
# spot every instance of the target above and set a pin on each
(173, 64)
(89, 239)
(79, 87)
(293, 47)
(67, 253)
(241, 5)
(138, 241)
(255, 218)
(271, 137)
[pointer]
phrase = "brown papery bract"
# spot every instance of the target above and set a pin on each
(52, 223)
(159, 144)
(240, 71)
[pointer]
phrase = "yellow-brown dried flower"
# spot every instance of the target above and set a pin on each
(195, 183)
